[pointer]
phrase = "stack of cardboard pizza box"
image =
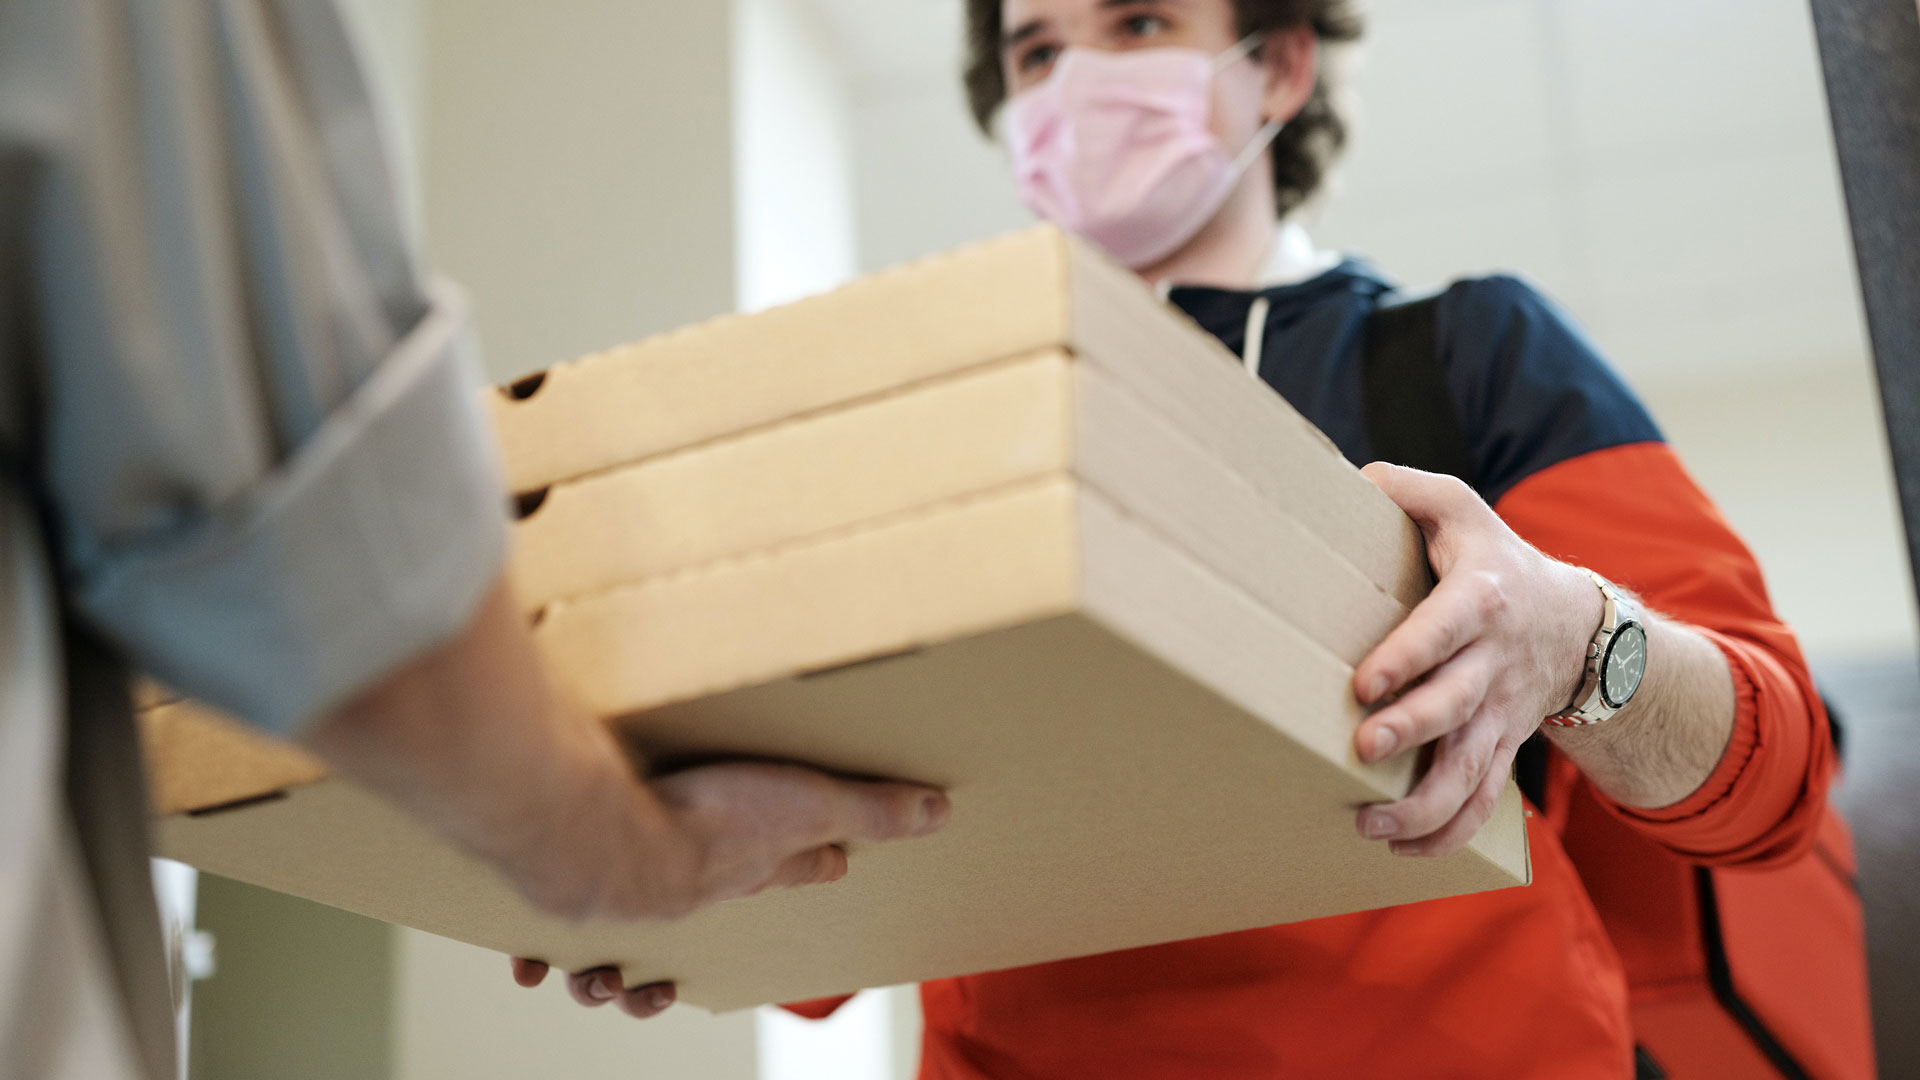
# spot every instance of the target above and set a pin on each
(1000, 521)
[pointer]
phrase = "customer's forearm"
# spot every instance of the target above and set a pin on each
(472, 736)
(1667, 741)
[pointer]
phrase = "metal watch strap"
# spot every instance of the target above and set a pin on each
(1589, 706)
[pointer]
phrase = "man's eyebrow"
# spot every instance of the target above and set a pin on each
(1034, 26)
(1021, 33)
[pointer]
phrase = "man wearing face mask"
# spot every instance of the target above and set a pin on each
(1587, 590)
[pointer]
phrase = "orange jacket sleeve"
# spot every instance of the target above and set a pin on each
(818, 1008)
(1633, 514)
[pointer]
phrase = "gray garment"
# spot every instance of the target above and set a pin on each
(238, 442)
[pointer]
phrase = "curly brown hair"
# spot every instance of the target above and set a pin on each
(1304, 149)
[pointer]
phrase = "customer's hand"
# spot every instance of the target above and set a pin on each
(476, 739)
(606, 846)
(1499, 645)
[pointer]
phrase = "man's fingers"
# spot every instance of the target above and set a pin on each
(817, 867)
(1460, 762)
(528, 973)
(601, 985)
(1456, 613)
(596, 987)
(1446, 701)
(1456, 833)
(645, 1002)
(1430, 499)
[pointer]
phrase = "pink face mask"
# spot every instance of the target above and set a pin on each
(1114, 146)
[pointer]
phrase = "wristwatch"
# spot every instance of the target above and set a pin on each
(1616, 662)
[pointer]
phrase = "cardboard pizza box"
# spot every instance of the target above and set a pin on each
(914, 324)
(1121, 638)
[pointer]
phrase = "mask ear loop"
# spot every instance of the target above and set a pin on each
(1256, 334)
(1269, 131)
(1256, 146)
(1238, 51)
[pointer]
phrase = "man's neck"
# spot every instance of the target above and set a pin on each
(1232, 250)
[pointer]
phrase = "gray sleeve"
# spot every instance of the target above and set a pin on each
(258, 428)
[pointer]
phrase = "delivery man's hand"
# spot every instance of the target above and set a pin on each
(475, 739)
(1498, 646)
(600, 986)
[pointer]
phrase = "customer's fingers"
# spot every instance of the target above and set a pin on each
(816, 867)
(882, 810)
(528, 973)
(751, 825)
(785, 810)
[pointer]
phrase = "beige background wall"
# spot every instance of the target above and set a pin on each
(300, 992)
(577, 167)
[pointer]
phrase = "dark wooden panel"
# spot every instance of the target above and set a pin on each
(1870, 50)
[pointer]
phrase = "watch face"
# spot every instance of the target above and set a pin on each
(1626, 665)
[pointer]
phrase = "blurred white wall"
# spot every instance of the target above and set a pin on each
(793, 150)
(923, 179)
(1798, 463)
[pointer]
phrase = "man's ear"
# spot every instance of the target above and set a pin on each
(1291, 59)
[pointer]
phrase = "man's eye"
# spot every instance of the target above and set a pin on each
(1038, 57)
(1144, 25)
